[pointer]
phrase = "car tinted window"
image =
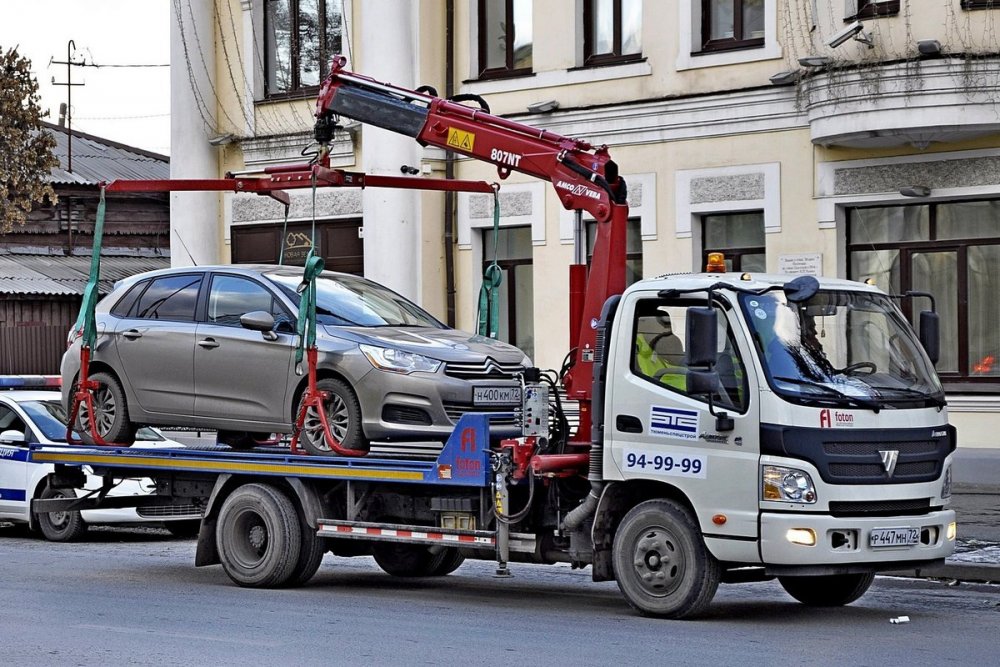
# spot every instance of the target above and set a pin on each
(169, 298)
(233, 296)
(125, 303)
(352, 301)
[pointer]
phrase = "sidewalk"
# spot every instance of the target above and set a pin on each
(976, 501)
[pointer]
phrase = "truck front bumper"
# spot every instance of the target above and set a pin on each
(843, 542)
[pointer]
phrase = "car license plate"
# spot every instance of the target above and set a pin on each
(893, 537)
(496, 396)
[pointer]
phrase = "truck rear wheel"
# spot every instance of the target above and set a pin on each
(258, 537)
(311, 555)
(408, 560)
(661, 563)
(833, 590)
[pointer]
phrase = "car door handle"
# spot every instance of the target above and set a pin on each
(132, 334)
(628, 424)
(208, 343)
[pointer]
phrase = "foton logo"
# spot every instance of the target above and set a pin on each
(468, 443)
(835, 419)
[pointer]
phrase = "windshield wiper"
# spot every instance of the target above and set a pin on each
(937, 401)
(874, 406)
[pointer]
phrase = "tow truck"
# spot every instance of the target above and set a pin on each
(733, 427)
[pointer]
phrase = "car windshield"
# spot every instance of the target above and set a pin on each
(343, 300)
(848, 348)
(50, 418)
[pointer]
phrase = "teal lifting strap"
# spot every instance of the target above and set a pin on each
(489, 293)
(86, 321)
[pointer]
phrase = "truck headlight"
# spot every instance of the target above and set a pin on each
(787, 485)
(946, 485)
(397, 361)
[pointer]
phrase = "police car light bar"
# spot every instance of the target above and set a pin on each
(30, 381)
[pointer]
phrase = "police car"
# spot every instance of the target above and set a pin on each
(31, 413)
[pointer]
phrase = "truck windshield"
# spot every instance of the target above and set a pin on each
(841, 347)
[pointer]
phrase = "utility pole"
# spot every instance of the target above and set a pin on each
(69, 63)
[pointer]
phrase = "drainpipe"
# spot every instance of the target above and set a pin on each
(449, 168)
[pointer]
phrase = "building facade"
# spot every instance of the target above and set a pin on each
(848, 138)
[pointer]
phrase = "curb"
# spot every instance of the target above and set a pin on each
(971, 572)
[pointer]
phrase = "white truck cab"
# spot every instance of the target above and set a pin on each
(802, 421)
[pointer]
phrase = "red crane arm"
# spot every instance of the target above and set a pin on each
(584, 177)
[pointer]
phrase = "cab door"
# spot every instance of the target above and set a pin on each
(661, 431)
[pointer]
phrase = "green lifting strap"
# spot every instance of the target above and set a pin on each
(86, 320)
(307, 305)
(489, 293)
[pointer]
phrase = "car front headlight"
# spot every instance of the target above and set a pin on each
(397, 361)
(787, 485)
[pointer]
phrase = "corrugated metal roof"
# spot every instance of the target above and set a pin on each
(47, 275)
(96, 160)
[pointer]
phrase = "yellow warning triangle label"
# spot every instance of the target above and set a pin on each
(461, 140)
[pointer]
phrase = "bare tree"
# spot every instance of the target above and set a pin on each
(25, 148)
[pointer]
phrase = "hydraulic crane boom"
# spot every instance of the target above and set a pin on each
(584, 177)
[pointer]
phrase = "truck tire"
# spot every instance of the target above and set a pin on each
(407, 560)
(451, 560)
(343, 412)
(110, 413)
(661, 563)
(833, 590)
(258, 536)
(311, 555)
(61, 526)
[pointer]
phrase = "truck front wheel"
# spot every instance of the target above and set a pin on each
(258, 537)
(661, 563)
(833, 590)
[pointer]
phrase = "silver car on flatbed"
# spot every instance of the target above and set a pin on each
(213, 347)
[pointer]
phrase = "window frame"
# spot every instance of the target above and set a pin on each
(874, 9)
(734, 253)
(276, 309)
(297, 90)
(508, 70)
(980, 4)
(509, 267)
(590, 229)
(133, 311)
(615, 57)
(714, 46)
(960, 380)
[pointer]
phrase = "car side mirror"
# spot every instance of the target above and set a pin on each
(930, 334)
(259, 320)
(12, 437)
(702, 336)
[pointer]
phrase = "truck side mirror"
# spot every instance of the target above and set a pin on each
(930, 334)
(700, 383)
(259, 320)
(702, 336)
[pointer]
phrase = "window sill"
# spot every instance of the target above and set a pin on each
(700, 59)
(556, 78)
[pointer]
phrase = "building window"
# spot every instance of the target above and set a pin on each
(731, 24)
(739, 236)
(633, 249)
(517, 314)
(980, 4)
(300, 39)
(504, 38)
(951, 250)
(613, 31)
(869, 9)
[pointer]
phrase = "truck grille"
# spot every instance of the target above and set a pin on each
(912, 507)
(487, 369)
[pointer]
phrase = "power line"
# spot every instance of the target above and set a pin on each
(93, 64)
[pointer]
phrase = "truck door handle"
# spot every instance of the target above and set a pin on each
(208, 343)
(628, 424)
(132, 334)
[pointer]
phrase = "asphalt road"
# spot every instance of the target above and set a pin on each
(134, 597)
